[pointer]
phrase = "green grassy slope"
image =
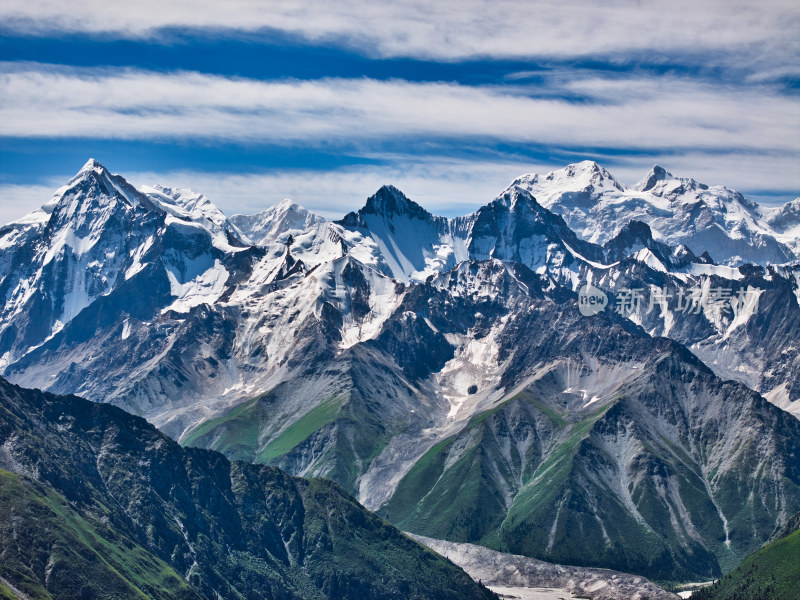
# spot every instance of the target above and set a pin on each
(43, 534)
(771, 573)
(624, 485)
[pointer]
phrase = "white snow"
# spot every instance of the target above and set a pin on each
(274, 223)
(797, 285)
(197, 285)
(678, 210)
(409, 248)
(137, 254)
(184, 205)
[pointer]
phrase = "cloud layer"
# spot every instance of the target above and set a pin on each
(637, 113)
(449, 30)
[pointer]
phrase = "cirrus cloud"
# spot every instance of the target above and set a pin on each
(639, 113)
(447, 30)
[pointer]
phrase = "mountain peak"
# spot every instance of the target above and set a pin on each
(785, 218)
(584, 166)
(585, 176)
(89, 169)
(267, 226)
(591, 170)
(286, 204)
(94, 180)
(656, 174)
(388, 200)
(89, 166)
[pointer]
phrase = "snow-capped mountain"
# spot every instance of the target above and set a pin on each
(404, 240)
(785, 221)
(409, 356)
(186, 205)
(285, 218)
(707, 219)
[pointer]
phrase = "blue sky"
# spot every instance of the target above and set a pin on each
(251, 102)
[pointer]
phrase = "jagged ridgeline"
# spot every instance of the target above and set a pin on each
(97, 503)
(440, 369)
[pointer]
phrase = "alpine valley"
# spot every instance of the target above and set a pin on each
(439, 370)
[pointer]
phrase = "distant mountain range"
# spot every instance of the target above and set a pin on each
(713, 219)
(442, 370)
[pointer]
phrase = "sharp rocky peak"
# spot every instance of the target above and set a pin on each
(91, 165)
(388, 201)
(656, 174)
(636, 231)
(95, 187)
(91, 170)
(516, 195)
(661, 182)
(633, 235)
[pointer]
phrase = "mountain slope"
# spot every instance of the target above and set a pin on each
(611, 449)
(97, 485)
(47, 525)
(771, 573)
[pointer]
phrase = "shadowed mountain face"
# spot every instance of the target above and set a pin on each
(439, 369)
(97, 503)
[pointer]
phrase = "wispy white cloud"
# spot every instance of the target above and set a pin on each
(652, 113)
(446, 29)
(18, 200)
(743, 135)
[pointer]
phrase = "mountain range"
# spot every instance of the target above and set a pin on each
(441, 369)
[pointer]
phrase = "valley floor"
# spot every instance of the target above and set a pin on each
(526, 578)
(511, 593)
